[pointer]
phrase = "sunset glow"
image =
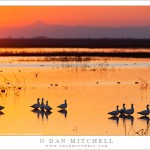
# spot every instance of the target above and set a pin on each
(74, 71)
(76, 15)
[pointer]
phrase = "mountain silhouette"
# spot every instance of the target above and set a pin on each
(42, 29)
(38, 23)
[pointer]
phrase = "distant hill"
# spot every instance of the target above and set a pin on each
(41, 30)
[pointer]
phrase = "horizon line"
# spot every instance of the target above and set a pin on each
(73, 26)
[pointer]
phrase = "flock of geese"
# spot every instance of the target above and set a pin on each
(114, 113)
(130, 111)
(45, 110)
(46, 107)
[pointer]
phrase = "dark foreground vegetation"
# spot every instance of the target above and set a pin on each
(75, 43)
(79, 54)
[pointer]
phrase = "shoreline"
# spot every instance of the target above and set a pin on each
(77, 54)
(74, 43)
(90, 44)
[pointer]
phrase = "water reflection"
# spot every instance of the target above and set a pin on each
(64, 112)
(36, 111)
(1, 113)
(123, 117)
(145, 131)
(145, 118)
(41, 113)
(47, 113)
(130, 118)
(129, 128)
(115, 119)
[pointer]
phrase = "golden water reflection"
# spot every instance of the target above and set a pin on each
(90, 92)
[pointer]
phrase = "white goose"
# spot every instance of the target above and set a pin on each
(63, 106)
(121, 111)
(37, 105)
(145, 112)
(115, 112)
(42, 104)
(47, 107)
(129, 111)
(1, 107)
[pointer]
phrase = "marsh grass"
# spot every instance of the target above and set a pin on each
(7, 85)
(77, 54)
(74, 43)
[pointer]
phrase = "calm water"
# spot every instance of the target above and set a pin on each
(92, 89)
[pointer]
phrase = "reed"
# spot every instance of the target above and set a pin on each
(75, 43)
(77, 55)
(9, 85)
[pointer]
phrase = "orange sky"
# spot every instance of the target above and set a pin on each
(76, 15)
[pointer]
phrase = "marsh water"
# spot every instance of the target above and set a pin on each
(92, 87)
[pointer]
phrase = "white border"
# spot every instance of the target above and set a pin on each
(74, 142)
(33, 142)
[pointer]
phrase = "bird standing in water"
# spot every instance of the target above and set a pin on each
(130, 111)
(42, 104)
(122, 111)
(145, 112)
(1, 107)
(115, 112)
(63, 106)
(37, 105)
(47, 107)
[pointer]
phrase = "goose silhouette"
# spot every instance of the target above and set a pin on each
(121, 111)
(145, 112)
(47, 107)
(129, 111)
(115, 112)
(37, 105)
(63, 106)
(42, 104)
(1, 107)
